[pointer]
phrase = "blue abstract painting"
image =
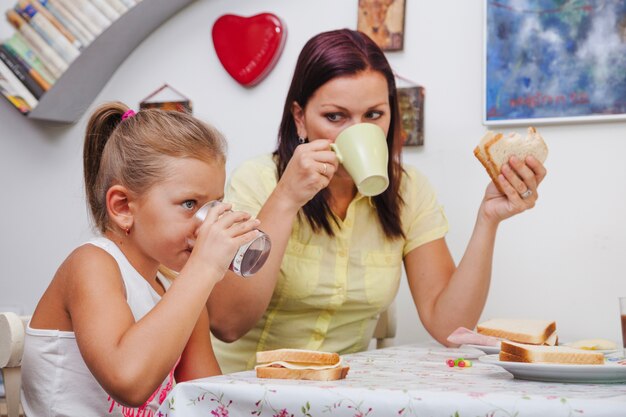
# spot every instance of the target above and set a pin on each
(550, 60)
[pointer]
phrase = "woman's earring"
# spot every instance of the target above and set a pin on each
(301, 140)
(127, 231)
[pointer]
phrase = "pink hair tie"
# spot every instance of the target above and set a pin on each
(128, 113)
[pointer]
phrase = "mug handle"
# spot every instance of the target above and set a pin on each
(336, 150)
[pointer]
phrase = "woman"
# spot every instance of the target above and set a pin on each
(337, 256)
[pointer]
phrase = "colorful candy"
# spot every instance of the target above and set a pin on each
(460, 362)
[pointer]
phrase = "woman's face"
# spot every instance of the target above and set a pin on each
(342, 102)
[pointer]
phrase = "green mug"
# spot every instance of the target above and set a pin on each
(362, 150)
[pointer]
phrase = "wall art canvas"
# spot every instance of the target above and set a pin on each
(383, 21)
(167, 98)
(411, 106)
(554, 61)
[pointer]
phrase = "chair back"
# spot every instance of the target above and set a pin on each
(11, 350)
(385, 329)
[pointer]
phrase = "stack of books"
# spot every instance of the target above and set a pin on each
(49, 35)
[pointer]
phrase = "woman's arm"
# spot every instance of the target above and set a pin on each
(237, 304)
(447, 297)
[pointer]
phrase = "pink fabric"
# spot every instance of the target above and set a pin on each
(463, 336)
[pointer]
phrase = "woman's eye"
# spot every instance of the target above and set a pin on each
(333, 117)
(373, 115)
(189, 204)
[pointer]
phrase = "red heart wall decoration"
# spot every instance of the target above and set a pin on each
(249, 47)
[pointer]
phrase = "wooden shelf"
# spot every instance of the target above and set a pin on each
(75, 90)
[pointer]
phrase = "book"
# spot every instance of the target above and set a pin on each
(119, 6)
(18, 46)
(56, 23)
(47, 31)
(69, 21)
(129, 3)
(92, 13)
(106, 9)
(28, 76)
(77, 12)
(14, 91)
(53, 61)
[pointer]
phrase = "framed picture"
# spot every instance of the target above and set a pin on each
(383, 21)
(167, 98)
(553, 61)
(411, 106)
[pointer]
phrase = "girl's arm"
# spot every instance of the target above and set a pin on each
(237, 304)
(131, 359)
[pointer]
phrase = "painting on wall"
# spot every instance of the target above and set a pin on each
(411, 107)
(167, 98)
(554, 61)
(383, 21)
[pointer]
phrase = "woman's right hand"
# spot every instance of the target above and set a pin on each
(309, 170)
(220, 235)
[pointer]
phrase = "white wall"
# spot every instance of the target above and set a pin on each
(564, 260)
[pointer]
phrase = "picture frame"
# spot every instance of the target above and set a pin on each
(167, 98)
(411, 107)
(548, 61)
(383, 22)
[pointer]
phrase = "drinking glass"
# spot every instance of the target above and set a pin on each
(251, 256)
(622, 313)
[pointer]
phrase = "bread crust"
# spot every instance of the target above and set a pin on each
(517, 352)
(298, 356)
(331, 374)
(516, 336)
(481, 155)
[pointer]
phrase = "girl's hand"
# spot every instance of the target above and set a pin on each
(310, 169)
(220, 235)
(519, 180)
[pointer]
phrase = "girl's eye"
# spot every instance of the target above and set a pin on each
(373, 115)
(189, 204)
(333, 117)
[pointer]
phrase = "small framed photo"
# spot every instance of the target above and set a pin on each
(411, 106)
(383, 22)
(168, 99)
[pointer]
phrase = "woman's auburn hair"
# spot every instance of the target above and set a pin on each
(328, 55)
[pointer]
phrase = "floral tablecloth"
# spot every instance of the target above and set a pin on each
(411, 380)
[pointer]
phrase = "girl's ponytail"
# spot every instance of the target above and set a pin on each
(101, 125)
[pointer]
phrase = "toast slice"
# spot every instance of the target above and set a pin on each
(495, 149)
(519, 352)
(302, 356)
(481, 154)
(534, 332)
(330, 374)
(300, 364)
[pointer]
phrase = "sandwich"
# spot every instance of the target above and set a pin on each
(519, 352)
(535, 332)
(300, 364)
(495, 150)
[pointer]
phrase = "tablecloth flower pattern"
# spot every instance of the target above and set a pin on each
(403, 381)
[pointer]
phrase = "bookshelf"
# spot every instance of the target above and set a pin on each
(74, 91)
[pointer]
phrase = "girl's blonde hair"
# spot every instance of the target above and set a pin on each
(132, 152)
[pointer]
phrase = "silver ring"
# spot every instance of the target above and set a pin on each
(526, 193)
(325, 169)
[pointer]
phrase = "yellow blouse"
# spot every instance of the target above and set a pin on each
(330, 290)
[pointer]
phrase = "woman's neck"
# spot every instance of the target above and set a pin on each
(341, 190)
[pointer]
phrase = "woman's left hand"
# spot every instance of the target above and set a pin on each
(519, 181)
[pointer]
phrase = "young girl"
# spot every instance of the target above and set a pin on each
(110, 335)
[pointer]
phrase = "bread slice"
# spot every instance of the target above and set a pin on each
(519, 352)
(481, 154)
(298, 356)
(552, 340)
(495, 149)
(330, 374)
(534, 332)
(300, 364)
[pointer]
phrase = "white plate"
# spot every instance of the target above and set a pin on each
(606, 352)
(488, 350)
(608, 373)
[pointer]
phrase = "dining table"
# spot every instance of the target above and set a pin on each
(402, 381)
